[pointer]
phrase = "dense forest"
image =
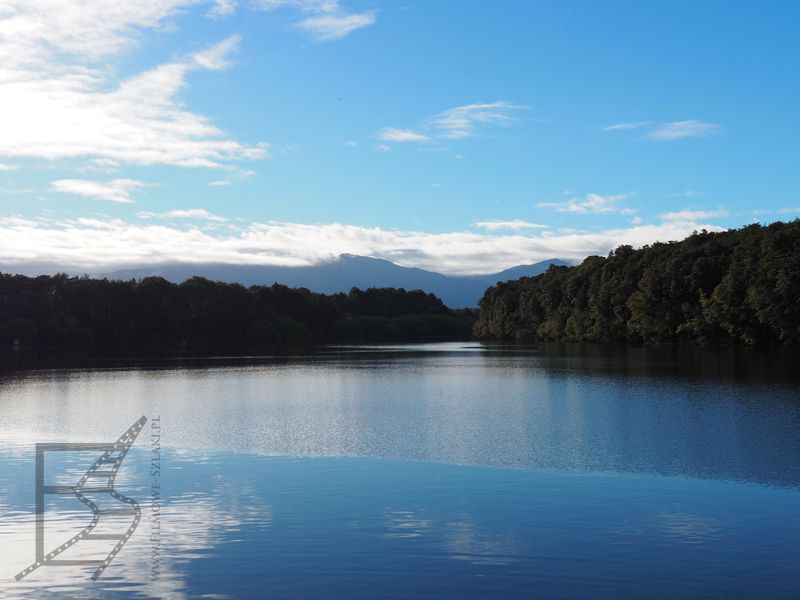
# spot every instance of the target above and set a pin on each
(736, 287)
(154, 315)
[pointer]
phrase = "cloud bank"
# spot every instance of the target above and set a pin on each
(102, 244)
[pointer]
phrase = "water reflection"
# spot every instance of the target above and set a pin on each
(690, 529)
(464, 540)
(259, 499)
(244, 526)
(405, 524)
(195, 517)
(462, 405)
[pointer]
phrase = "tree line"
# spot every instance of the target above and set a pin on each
(740, 286)
(155, 315)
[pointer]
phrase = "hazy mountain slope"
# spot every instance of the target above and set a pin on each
(343, 273)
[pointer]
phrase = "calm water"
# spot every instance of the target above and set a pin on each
(442, 470)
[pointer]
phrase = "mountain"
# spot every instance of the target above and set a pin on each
(343, 273)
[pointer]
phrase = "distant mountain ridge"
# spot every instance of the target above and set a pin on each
(343, 273)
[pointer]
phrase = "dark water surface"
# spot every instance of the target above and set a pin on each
(440, 470)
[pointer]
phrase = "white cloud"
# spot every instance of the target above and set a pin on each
(516, 224)
(328, 21)
(235, 176)
(313, 6)
(5, 168)
(455, 123)
(60, 99)
(590, 204)
(96, 246)
(351, 144)
(223, 8)
(463, 121)
(626, 126)
(33, 31)
(215, 58)
(191, 213)
(118, 190)
(383, 148)
(390, 134)
(679, 130)
(334, 27)
(693, 215)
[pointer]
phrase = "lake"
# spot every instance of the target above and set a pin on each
(430, 470)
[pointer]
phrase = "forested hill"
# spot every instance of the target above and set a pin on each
(736, 287)
(154, 315)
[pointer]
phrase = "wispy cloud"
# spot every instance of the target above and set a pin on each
(679, 130)
(335, 27)
(463, 121)
(234, 176)
(626, 126)
(693, 215)
(390, 134)
(786, 210)
(222, 8)
(60, 99)
(515, 225)
(328, 19)
(190, 213)
(456, 123)
(117, 190)
(215, 58)
(676, 130)
(104, 245)
(590, 204)
(5, 168)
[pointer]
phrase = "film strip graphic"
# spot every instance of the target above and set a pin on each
(98, 479)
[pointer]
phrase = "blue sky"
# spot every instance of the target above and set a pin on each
(462, 136)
